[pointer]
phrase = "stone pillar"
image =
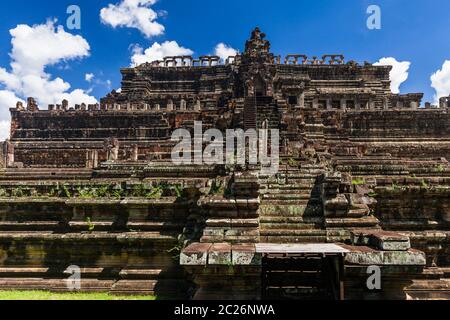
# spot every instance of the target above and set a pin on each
(170, 105)
(8, 151)
(183, 106)
(316, 103)
(135, 153)
(92, 159)
(65, 105)
(19, 106)
(198, 106)
(301, 99)
(357, 104)
(157, 107)
(371, 105)
(32, 105)
(343, 104)
(329, 104)
(385, 103)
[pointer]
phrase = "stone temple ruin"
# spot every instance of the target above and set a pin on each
(364, 182)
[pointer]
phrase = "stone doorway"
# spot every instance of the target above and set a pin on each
(260, 86)
(289, 272)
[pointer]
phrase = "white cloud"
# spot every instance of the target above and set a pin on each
(224, 52)
(158, 52)
(7, 100)
(5, 126)
(34, 48)
(88, 77)
(399, 73)
(440, 81)
(133, 14)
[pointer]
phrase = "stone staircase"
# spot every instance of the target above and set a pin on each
(259, 109)
(291, 210)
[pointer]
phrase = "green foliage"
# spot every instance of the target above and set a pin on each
(395, 186)
(440, 168)
(176, 252)
(86, 193)
(178, 190)
(217, 188)
(91, 226)
(156, 192)
(18, 192)
(103, 191)
(358, 182)
(65, 192)
(292, 162)
(117, 193)
(372, 194)
(424, 184)
(3, 192)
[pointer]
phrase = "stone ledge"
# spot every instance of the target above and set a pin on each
(367, 257)
(220, 254)
(382, 240)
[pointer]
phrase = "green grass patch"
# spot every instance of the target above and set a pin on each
(45, 295)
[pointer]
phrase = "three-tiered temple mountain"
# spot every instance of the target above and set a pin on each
(364, 177)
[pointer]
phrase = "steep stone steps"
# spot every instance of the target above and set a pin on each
(291, 206)
(285, 210)
(29, 174)
(29, 226)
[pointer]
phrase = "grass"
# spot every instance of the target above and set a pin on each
(45, 295)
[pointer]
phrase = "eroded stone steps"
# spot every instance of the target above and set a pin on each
(80, 226)
(287, 196)
(292, 232)
(85, 236)
(173, 289)
(363, 222)
(290, 223)
(29, 174)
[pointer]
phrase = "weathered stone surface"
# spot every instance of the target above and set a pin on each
(196, 254)
(220, 254)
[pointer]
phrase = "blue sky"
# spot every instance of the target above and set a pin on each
(416, 31)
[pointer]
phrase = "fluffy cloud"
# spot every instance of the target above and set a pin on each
(133, 14)
(88, 77)
(224, 52)
(440, 81)
(158, 52)
(399, 73)
(7, 100)
(34, 48)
